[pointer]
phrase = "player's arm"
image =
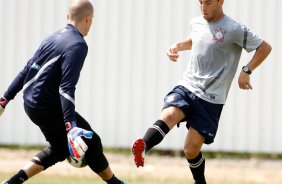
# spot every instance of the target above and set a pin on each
(14, 87)
(72, 63)
(183, 45)
(260, 55)
(73, 60)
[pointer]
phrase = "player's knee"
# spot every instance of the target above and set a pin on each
(172, 116)
(97, 163)
(48, 157)
(191, 152)
(94, 156)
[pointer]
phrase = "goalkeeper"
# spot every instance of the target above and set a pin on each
(48, 82)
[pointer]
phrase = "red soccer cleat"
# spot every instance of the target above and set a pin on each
(138, 149)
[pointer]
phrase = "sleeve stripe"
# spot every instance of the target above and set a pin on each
(245, 38)
(66, 96)
(40, 71)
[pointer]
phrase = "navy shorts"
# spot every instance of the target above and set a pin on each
(199, 114)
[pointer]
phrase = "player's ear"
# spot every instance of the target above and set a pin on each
(88, 17)
(221, 2)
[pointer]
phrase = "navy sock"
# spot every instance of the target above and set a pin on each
(155, 134)
(197, 167)
(19, 178)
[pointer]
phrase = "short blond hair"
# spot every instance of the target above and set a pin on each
(79, 9)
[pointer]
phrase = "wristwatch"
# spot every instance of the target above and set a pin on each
(247, 70)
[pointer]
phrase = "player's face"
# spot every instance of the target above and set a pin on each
(211, 9)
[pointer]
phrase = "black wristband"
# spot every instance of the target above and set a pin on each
(69, 125)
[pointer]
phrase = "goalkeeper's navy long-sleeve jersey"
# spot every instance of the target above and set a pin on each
(49, 78)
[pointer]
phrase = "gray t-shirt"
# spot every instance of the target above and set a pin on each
(216, 50)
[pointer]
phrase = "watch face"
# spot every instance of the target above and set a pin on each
(246, 70)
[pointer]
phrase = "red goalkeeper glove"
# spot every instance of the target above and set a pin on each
(3, 103)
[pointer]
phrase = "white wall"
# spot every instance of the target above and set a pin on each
(127, 73)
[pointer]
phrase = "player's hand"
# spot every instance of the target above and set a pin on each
(244, 81)
(172, 53)
(77, 147)
(3, 103)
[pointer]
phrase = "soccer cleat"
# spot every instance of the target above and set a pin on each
(5, 182)
(138, 149)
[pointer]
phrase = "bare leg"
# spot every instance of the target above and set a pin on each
(193, 143)
(171, 116)
(25, 173)
(106, 174)
(196, 160)
(155, 134)
(32, 169)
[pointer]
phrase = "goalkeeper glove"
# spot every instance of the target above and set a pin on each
(77, 146)
(3, 103)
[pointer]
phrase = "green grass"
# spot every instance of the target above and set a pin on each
(208, 154)
(82, 180)
(132, 175)
(61, 180)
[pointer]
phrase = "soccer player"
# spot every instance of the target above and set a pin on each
(48, 81)
(216, 42)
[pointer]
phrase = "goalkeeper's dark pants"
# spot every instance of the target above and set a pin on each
(51, 124)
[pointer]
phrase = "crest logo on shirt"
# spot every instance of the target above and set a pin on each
(218, 35)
